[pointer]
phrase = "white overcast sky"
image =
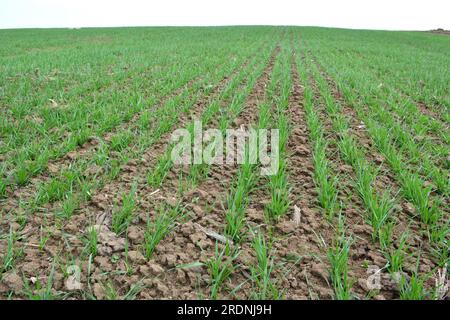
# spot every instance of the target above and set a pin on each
(362, 14)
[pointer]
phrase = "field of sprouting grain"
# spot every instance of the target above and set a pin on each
(93, 207)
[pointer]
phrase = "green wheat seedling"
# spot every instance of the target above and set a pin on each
(145, 120)
(414, 288)
(128, 265)
(380, 212)
(68, 206)
(325, 182)
(414, 191)
(220, 267)
(112, 292)
(385, 235)
(57, 188)
(264, 115)
(198, 172)
(315, 125)
(237, 200)
(248, 176)
(100, 158)
(156, 176)
(134, 291)
(122, 217)
(438, 235)
(3, 186)
(10, 254)
(91, 240)
(350, 152)
(262, 271)
(159, 227)
(279, 196)
(22, 175)
(338, 255)
(235, 214)
(378, 206)
(284, 128)
(43, 238)
(396, 255)
(381, 137)
(439, 177)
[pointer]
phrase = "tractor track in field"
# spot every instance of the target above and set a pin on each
(99, 209)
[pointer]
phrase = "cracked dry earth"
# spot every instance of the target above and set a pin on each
(49, 249)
